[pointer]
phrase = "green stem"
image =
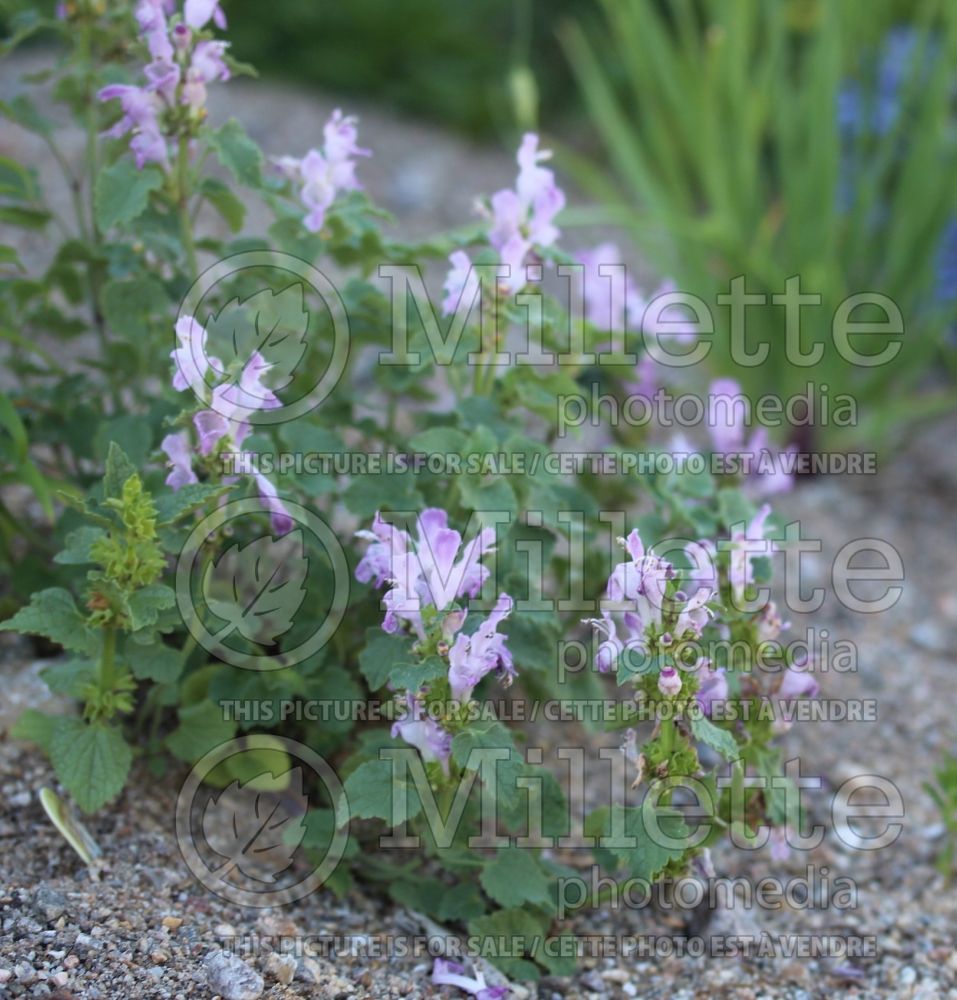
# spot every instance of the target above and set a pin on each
(666, 738)
(185, 219)
(107, 658)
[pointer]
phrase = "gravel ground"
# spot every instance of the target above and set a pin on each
(144, 928)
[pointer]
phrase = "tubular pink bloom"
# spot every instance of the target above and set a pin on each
(609, 649)
(249, 394)
(611, 300)
(198, 13)
(424, 733)
(207, 63)
(447, 973)
(461, 280)
(669, 683)
(322, 175)
(163, 77)
(798, 682)
(211, 427)
(387, 541)
(190, 359)
(474, 656)
(140, 116)
(179, 451)
(282, 522)
(522, 219)
(640, 582)
(729, 412)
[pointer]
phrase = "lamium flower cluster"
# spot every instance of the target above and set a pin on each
(225, 424)
(521, 222)
(647, 618)
(428, 573)
(183, 60)
(321, 175)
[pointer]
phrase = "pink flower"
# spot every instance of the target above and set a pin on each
(322, 175)
(433, 569)
(140, 109)
(473, 656)
(282, 522)
(461, 280)
(198, 13)
(180, 453)
(190, 359)
(640, 582)
(424, 733)
(522, 219)
(611, 300)
(798, 682)
(447, 973)
(729, 412)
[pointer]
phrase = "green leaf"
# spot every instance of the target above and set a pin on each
(382, 653)
(54, 615)
(514, 879)
(461, 902)
(78, 544)
(118, 469)
(509, 925)
(238, 153)
(647, 856)
(36, 727)
(25, 218)
(224, 201)
(369, 792)
(92, 761)
(155, 662)
(201, 728)
(411, 676)
(492, 735)
(122, 192)
(144, 606)
(129, 304)
(704, 730)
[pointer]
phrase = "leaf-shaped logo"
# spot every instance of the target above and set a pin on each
(258, 588)
(272, 324)
(257, 833)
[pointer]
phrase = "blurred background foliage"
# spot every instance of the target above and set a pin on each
(722, 137)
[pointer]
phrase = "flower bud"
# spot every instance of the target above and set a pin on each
(181, 37)
(669, 683)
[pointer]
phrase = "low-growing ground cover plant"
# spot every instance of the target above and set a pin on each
(400, 541)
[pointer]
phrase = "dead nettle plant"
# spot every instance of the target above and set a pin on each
(429, 472)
